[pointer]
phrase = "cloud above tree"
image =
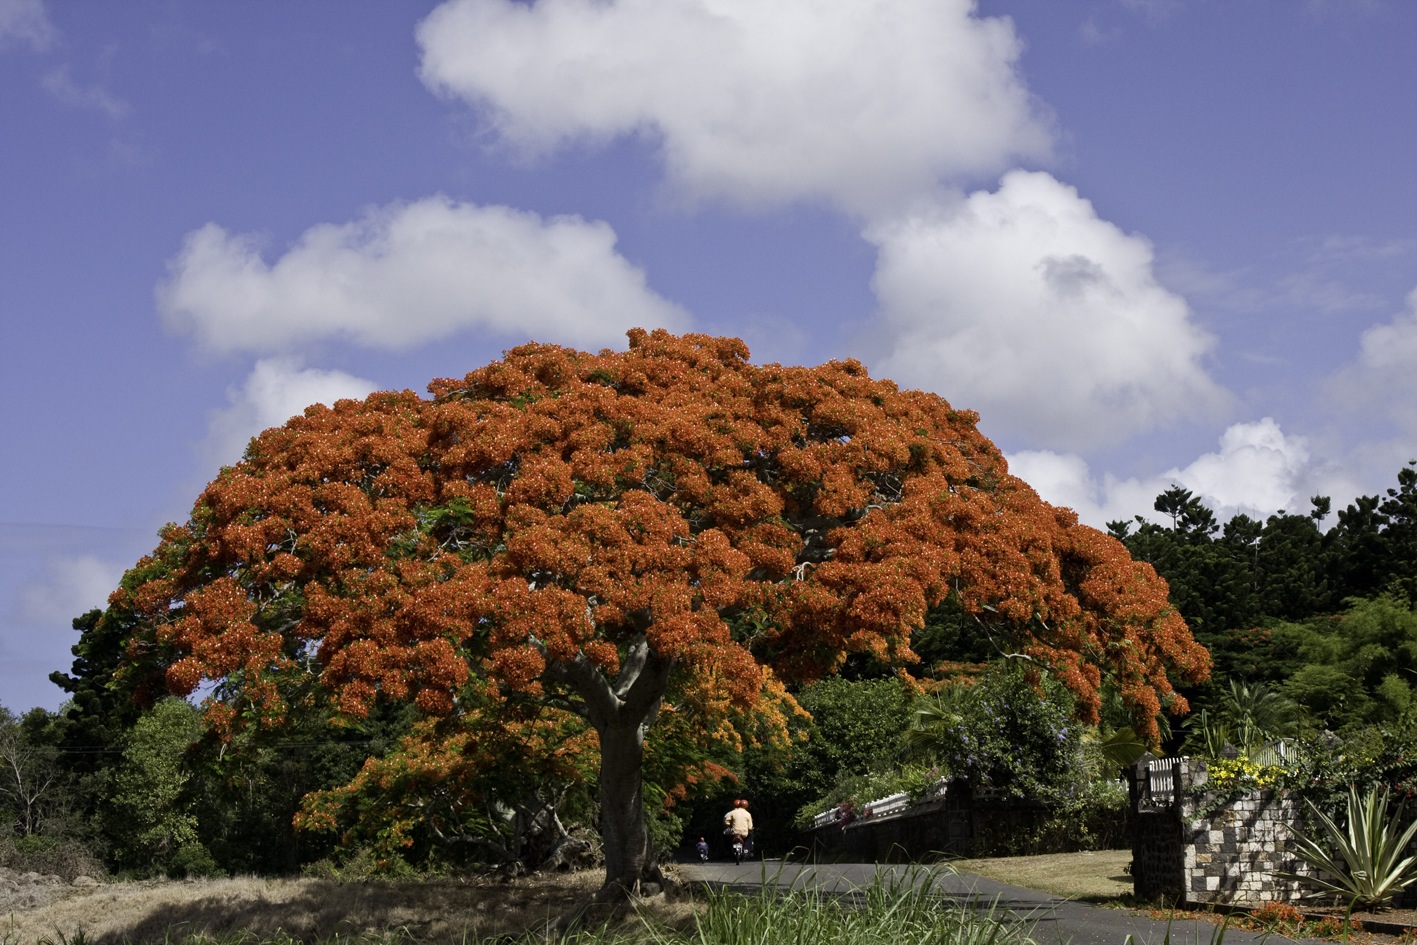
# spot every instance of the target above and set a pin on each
(276, 390)
(1256, 469)
(408, 274)
(1017, 301)
(862, 105)
(1381, 378)
(72, 584)
(25, 22)
(1023, 304)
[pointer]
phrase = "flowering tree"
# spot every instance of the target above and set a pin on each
(670, 527)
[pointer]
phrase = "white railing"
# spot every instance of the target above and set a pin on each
(888, 805)
(1161, 777)
(881, 807)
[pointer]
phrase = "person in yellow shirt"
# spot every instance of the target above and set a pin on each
(738, 823)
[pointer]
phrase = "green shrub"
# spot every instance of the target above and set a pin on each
(194, 860)
(1012, 732)
(361, 863)
(1092, 818)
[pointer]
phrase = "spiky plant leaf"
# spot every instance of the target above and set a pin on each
(1364, 860)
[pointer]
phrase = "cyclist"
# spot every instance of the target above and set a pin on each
(738, 824)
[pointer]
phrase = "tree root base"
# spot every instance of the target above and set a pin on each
(613, 902)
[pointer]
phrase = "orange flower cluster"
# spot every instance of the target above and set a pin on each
(556, 509)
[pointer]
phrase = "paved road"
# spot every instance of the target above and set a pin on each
(1055, 920)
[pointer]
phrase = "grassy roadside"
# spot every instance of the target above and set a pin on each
(1099, 876)
(248, 910)
(316, 912)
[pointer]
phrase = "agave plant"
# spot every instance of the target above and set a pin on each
(1369, 863)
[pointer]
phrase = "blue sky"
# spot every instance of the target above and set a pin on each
(1150, 241)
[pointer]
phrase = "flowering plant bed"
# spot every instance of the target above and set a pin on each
(1309, 921)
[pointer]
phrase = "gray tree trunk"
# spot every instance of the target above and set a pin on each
(621, 711)
(624, 831)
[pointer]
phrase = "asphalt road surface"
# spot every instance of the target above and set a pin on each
(1053, 919)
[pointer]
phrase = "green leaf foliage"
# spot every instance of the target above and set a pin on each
(1013, 732)
(1355, 666)
(855, 725)
(149, 805)
(854, 730)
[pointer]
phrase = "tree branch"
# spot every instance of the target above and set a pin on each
(600, 701)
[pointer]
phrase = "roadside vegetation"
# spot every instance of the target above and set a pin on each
(252, 911)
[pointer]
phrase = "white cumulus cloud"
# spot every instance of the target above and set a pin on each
(25, 21)
(276, 390)
(1023, 304)
(1258, 470)
(1383, 378)
(863, 104)
(71, 585)
(408, 274)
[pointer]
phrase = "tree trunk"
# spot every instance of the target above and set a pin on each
(629, 853)
(621, 712)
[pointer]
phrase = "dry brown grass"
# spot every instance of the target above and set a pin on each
(426, 912)
(310, 910)
(1096, 877)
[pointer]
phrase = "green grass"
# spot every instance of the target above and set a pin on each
(900, 911)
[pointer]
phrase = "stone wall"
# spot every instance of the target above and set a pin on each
(1192, 846)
